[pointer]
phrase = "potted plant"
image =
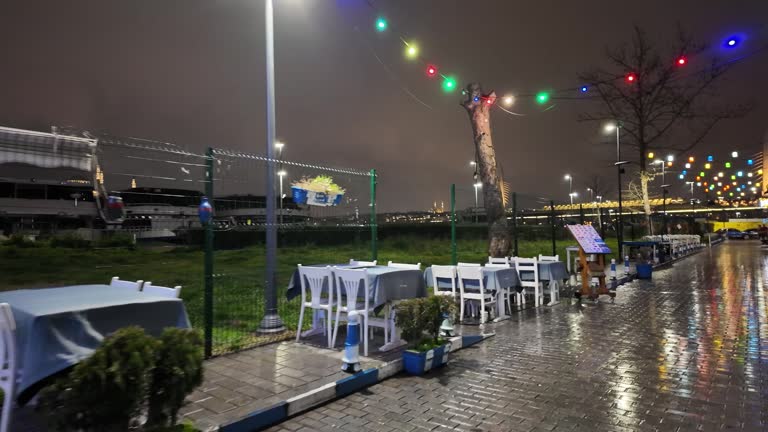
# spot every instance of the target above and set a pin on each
(420, 320)
(318, 191)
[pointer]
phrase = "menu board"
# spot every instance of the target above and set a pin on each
(589, 239)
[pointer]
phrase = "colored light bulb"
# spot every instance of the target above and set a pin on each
(381, 24)
(431, 71)
(542, 98)
(449, 84)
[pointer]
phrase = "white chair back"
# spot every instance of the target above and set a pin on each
(126, 285)
(161, 290)
(462, 264)
(497, 265)
(444, 272)
(502, 260)
(313, 279)
(548, 258)
(474, 273)
(363, 263)
(7, 363)
(528, 267)
(350, 282)
(404, 266)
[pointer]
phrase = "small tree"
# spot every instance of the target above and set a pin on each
(478, 106)
(661, 99)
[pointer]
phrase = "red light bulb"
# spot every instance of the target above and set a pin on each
(682, 61)
(431, 71)
(489, 101)
(631, 78)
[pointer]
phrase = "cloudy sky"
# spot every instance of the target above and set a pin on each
(192, 72)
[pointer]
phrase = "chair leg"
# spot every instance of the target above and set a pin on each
(328, 328)
(461, 313)
(482, 310)
(5, 422)
(336, 326)
(365, 333)
(386, 323)
(301, 320)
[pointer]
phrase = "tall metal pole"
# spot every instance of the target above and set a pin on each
(476, 203)
(374, 224)
(554, 228)
(208, 262)
(514, 221)
(620, 230)
(271, 323)
(454, 256)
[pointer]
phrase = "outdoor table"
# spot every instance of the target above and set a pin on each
(551, 272)
(494, 279)
(58, 327)
(388, 284)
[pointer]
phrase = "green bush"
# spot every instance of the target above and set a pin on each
(106, 391)
(19, 240)
(178, 370)
(130, 372)
(70, 240)
(116, 240)
(424, 315)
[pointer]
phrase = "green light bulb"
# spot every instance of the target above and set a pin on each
(727, 164)
(449, 84)
(542, 97)
(381, 24)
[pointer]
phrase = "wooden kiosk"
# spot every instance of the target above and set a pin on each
(590, 243)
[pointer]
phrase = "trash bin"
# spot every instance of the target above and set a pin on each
(644, 271)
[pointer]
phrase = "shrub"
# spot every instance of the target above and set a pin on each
(116, 240)
(70, 240)
(178, 370)
(105, 391)
(19, 240)
(420, 315)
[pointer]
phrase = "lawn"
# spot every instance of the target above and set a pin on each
(239, 280)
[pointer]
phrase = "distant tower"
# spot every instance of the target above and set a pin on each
(133, 183)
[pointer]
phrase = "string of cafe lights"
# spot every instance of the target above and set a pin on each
(449, 81)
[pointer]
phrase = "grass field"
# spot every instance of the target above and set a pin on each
(239, 280)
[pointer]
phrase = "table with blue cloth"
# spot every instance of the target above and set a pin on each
(57, 328)
(388, 285)
(495, 280)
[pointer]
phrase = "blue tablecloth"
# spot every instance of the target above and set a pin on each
(388, 283)
(58, 327)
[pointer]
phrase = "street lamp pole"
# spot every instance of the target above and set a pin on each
(477, 186)
(570, 187)
(664, 210)
(271, 323)
(620, 231)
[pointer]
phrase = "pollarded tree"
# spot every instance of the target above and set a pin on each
(659, 102)
(478, 106)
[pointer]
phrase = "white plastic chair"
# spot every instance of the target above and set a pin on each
(474, 273)
(444, 272)
(161, 291)
(7, 364)
(501, 260)
(463, 264)
(529, 267)
(506, 292)
(313, 279)
(126, 285)
(404, 266)
(349, 282)
(548, 258)
(363, 263)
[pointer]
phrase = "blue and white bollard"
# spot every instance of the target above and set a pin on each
(626, 266)
(614, 281)
(351, 356)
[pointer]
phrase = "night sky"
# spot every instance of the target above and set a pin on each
(191, 72)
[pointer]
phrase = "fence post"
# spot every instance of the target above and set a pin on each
(454, 258)
(374, 225)
(581, 213)
(208, 265)
(602, 224)
(514, 222)
(554, 228)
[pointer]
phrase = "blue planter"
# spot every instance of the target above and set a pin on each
(418, 363)
(644, 271)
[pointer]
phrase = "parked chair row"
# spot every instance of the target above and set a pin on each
(147, 287)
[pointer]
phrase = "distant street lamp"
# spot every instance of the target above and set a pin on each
(570, 186)
(478, 185)
(281, 174)
(600, 211)
(609, 128)
(573, 195)
(664, 209)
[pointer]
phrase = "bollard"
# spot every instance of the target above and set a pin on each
(626, 266)
(351, 356)
(613, 268)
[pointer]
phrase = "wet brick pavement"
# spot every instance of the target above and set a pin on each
(684, 352)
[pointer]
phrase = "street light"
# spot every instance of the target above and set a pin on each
(573, 195)
(660, 162)
(609, 128)
(271, 323)
(478, 185)
(664, 210)
(692, 200)
(281, 174)
(570, 186)
(600, 211)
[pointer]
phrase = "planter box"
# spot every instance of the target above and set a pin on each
(303, 196)
(418, 363)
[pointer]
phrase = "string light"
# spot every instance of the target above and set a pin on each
(431, 71)
(449, 84)
(381, 24)
(508, 101)
(631, 77)
(411, 50)
(681, 61)
(542, 98)
(584, 89)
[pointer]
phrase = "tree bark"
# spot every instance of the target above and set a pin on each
(478, 106)
(644, 179)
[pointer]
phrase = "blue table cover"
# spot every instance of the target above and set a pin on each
(58, 327)
(387, 283)
(500, 277)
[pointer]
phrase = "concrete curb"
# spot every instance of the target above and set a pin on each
(279, 412)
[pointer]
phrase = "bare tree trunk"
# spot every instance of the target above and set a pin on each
(644, 179)
(478, 106)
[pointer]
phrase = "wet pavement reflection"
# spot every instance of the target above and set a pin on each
(683, 352)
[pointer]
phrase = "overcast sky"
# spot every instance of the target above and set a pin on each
(192, 72)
